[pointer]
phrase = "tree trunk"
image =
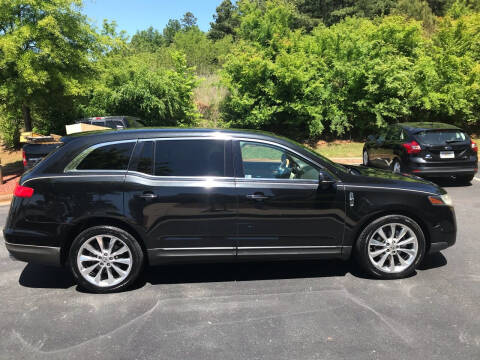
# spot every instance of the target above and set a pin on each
(27, 118)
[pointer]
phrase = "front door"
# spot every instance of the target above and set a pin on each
(181, 192)
(282, 210)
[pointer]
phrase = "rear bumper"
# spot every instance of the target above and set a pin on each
(45, 255)
(444, 171)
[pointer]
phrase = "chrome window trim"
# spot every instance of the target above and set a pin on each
(69, 176)
(347, 186)
(72, 165)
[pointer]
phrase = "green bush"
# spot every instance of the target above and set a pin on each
(10, 130)
(139, 85)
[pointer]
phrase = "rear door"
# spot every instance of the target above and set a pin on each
(181, 193)
(282, 209)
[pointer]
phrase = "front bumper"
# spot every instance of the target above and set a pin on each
(45, 255)
(444, 234)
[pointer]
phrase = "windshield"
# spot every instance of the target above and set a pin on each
(441, 137)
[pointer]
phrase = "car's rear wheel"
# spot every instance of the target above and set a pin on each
(391, 247)
(365, 157)
(105, 259)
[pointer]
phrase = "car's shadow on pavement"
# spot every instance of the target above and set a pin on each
(47, 277)
(39, 276)
(447, 182)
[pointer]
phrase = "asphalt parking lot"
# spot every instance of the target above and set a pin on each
(295, 310)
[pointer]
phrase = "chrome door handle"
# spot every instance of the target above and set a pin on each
(148, 195)
(257, 197)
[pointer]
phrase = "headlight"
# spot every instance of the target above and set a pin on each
(441, 200)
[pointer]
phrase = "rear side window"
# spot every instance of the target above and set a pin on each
(441, 137)
(108, 157)
(114, 124)
(190, 158)
(143, 158)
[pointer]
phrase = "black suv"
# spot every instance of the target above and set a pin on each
(105, 204)
(424, 149)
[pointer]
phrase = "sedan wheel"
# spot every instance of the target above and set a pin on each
(397, 167)
(365, 158)
(391, 247)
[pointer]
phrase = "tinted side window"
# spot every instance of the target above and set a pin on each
(114, 124)
(142, 158)
(108, 157)
(190, 158)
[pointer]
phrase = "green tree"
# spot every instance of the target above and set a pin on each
(147, 40)
(225, 21)
(463, 7)
(418, 10)
(171, 29)
(188, 21)
(46, 49)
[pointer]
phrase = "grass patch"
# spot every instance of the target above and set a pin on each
(340, 149)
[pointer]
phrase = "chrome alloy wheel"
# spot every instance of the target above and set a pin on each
(104, 260)
(393, 247)
(365, 158)
(397, 168)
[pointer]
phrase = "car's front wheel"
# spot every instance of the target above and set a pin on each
(105, 259)
(391, 247)
(365, 158)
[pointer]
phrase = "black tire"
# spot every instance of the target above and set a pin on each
(137, 258)
(361, 246)
(466, 179)
(396, 163)
(365, 158)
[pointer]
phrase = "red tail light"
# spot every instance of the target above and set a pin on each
(412, 147)
(23, 191)
(24, 158)
(474, 146)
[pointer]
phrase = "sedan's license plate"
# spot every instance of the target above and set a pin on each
(447, 155)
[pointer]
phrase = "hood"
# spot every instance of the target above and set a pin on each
(362, 175)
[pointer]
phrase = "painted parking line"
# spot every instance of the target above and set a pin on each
(476, 178)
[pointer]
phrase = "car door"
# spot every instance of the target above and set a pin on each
(282, 209)
(389, 145)
(376, 150)
(181, 192)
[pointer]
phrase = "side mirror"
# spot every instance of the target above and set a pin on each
(324, 180)
(371, 138)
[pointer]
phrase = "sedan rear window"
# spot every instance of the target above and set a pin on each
(441, 137)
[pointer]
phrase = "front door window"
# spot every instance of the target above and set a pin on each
(262, 161)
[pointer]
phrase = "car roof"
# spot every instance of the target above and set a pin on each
(421, 126)
(145, 133)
